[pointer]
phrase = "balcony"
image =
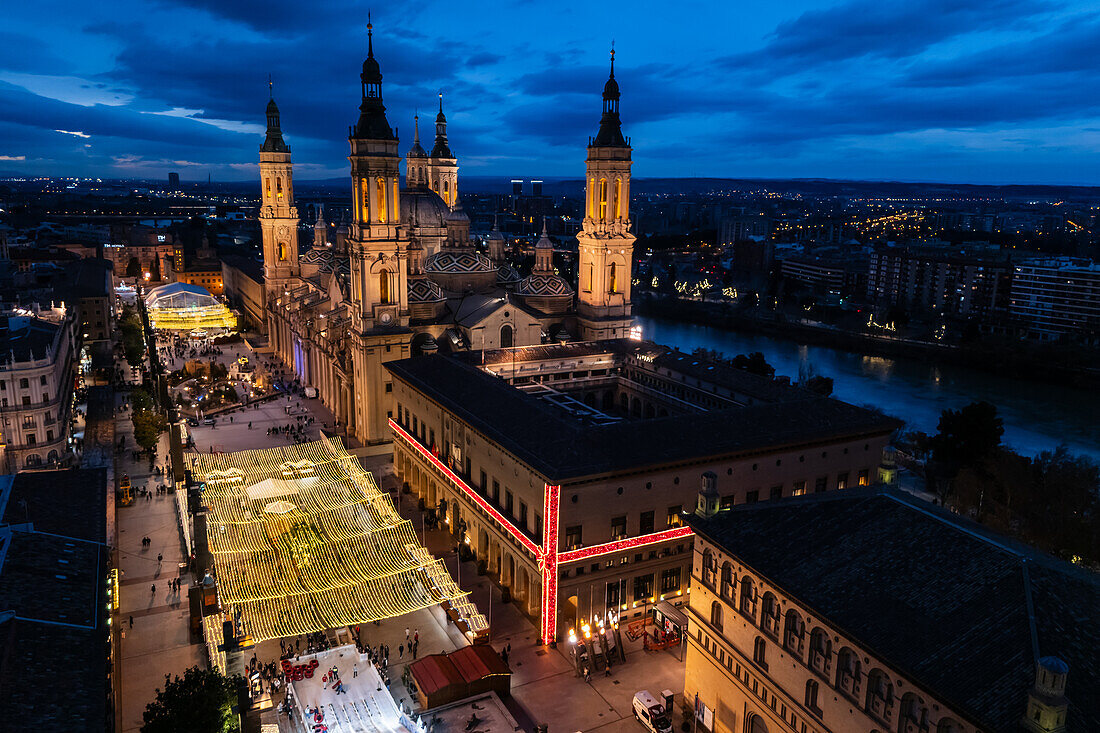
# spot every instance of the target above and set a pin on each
(879, 706)
(770, 625)
(794, 643)
(849, 684)
(914, 726)
(819, 662)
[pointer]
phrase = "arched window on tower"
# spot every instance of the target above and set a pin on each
(506, 340)
(618, 198)
(385, 289)
(613, 279)
(267, 185)
(603, 198)
(380, 187)
(586, 286)
(282, 251)
(278, 188)
(447, 192)
(365, 186)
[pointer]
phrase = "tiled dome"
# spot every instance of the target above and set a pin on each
(543, 285)
(423, 290)
(457, 262)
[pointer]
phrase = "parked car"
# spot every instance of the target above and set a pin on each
(193, 422)
(651, 713)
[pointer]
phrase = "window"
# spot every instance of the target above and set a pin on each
(799, 488)
(618, 528)
(538, 525)
(42, 380)
(674, 518)
(643, 587)
(586, 286)
(389, 386)
(508, 504)
(776, 492)
(380, 192)
(727, 502)
(523, 514)
(794, 632)
(708, 568)
(864, 479)
(748, 596)
(484, 482)
(385, 291)
(726, 588)
(759, 650)
(603, 198)
(716, 615)
(49, 435)
(752, 497)
(820, 484)
(506, 340)
(613, 279)
(572, 536)
(496, 492)
(769, 615)
(842, 480)
(670, 580)
(618, 198)
(31, 439)
(24, 383)
(645, 526)
(613, 594)
(812, 688)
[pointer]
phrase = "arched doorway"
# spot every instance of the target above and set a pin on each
(506, 340)
(757, 725)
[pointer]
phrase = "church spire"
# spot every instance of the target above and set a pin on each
(372, 123)
(441, 149)
(544, 253)
(274, 141)
(610, 134)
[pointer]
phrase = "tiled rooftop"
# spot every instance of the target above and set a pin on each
(939, 598)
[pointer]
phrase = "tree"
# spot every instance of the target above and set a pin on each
(154, 271)
(754, 363)
(148, 427)
(133, 268)
(822, 385)
(201, 701)
(965, 438)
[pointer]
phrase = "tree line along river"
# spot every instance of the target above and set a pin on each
(1037, 416)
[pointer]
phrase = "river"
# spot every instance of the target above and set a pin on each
(1037, 416)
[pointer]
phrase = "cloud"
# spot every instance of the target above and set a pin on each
(74, 134)
(70, 89)
(13, 157)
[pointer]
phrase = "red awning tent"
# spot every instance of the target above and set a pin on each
(444, 678)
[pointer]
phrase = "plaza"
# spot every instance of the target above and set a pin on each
(159, 642)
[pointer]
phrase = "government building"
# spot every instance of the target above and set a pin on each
(567, 468)
(405, 278)
(872, 611)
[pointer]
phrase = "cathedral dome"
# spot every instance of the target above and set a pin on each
(507, 275)
(423, 290)
(460, 261)
(543, 285)
(423, 208)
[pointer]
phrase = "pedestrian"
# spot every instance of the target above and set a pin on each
(153, 589)
(160, 558)
(131, 622)
(416, 636)
(400, 651)
(355, 670)
(406, 633)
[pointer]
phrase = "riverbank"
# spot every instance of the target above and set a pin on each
(1067, 366)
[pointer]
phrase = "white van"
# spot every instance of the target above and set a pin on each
(651, 713)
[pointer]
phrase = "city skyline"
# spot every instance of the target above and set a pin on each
(968, 93)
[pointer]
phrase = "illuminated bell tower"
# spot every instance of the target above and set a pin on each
(379, 251)
(377, 245)
(442, 164)
(605, 244)
(278, 215)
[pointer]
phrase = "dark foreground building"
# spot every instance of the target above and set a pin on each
(55, 661)
(872, 610)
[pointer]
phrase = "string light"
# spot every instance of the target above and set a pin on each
(187, 319)
(303, 540)
(547, 555)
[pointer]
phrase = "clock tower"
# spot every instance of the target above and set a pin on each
(605, 243)
(278, 215)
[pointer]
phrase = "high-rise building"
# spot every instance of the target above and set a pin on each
(1056, 297)
(174, 180)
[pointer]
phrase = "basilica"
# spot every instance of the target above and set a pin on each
(404, 278)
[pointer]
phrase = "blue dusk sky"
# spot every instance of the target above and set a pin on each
(981, 91)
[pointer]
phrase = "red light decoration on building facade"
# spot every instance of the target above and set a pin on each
(547, 556)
